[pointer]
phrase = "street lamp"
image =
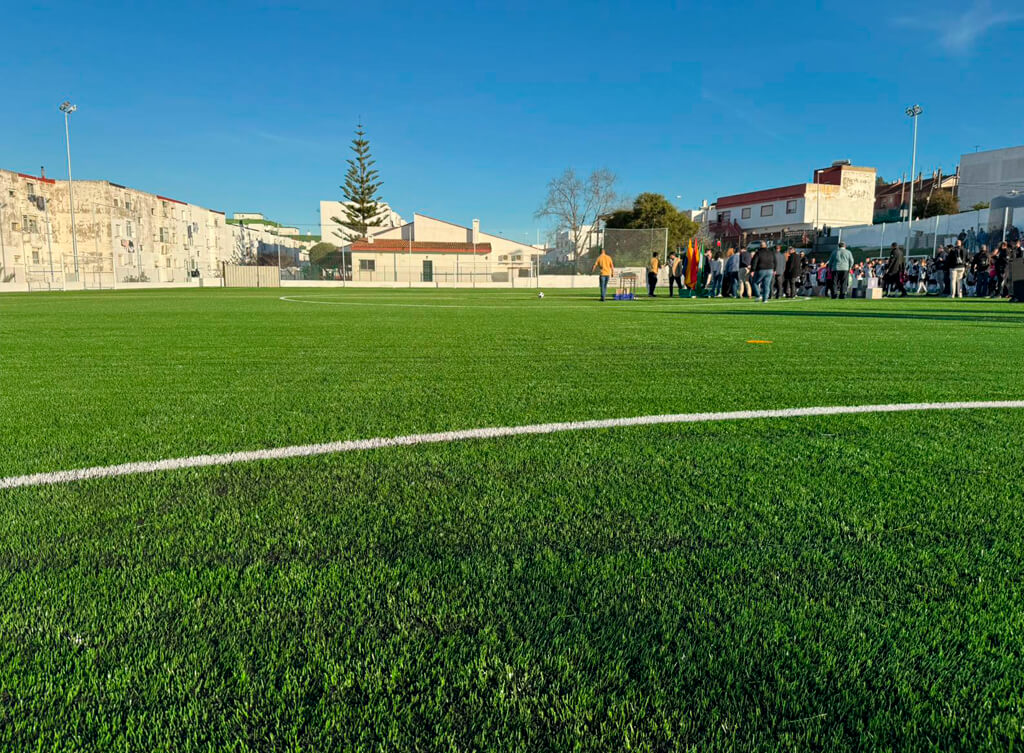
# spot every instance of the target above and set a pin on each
(912, 112)
(67, 108)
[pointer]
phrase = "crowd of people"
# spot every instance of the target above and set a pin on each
(764, 272)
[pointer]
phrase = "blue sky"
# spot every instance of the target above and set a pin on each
(472, 108)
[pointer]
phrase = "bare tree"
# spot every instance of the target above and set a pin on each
(574, 204)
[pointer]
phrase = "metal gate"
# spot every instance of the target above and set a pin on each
(41, 278)
(238, 276)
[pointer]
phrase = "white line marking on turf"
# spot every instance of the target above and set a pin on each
(354, 445)
(546, 306)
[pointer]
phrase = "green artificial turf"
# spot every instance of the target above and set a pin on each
(831, 583)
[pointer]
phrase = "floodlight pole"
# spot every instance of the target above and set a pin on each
(67, 108)
(912, 112)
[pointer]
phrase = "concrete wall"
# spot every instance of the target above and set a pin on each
(985, 175)
(852, 202)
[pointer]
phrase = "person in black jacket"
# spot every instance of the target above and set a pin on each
(763, 267)
(791, 273)
(894, 270)
(940, 268)
(1001, 259)
(744, 275)
(780, 267)
(980, 265)
(956, 264)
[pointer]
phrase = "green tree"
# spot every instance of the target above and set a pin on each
(654, 210)
(939, 202)
(324, 254)
(362, 182)
(981, 205)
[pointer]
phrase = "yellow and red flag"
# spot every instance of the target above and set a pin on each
(692, 264)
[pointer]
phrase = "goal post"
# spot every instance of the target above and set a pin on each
(633, 247)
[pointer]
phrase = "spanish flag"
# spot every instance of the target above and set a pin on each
(693, 261)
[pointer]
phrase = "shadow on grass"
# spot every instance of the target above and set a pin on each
(929, 315)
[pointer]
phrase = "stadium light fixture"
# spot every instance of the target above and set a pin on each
(912, 112)
(67, 108)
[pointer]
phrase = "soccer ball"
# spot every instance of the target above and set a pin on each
(540, 295)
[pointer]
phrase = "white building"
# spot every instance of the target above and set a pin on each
(257, 221)
(986, 175)
(565, 250)
(123, 235)
(333, 232)
(432, 250)
(703, 214)
(840, 195)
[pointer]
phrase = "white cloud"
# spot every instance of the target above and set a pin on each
(958, 33)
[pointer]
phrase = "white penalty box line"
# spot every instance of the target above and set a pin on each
(496, 432)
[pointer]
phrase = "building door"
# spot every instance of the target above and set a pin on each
(428, 270)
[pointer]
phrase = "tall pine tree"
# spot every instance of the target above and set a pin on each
(362, 182)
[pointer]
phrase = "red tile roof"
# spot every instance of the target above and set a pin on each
(419, 247)
(754, 197)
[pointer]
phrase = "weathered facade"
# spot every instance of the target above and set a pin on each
(122, 234)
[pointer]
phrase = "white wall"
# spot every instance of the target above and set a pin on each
(777, 219)
(985, 175)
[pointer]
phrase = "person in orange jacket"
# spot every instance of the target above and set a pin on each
(605, 269)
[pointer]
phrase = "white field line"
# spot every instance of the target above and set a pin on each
(378, 443)
(548, 306)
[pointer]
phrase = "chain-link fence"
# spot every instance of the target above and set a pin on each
(633, 247)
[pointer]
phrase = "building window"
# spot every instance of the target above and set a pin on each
(128, 229)
(117, 231)
(367, 265)
(127, 204)
(35, 257)
(725, 216)
(791, 206)
(116, 203)
(164, 235)
(767, 210)
(745, 213)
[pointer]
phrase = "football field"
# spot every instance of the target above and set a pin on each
(759, 581)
